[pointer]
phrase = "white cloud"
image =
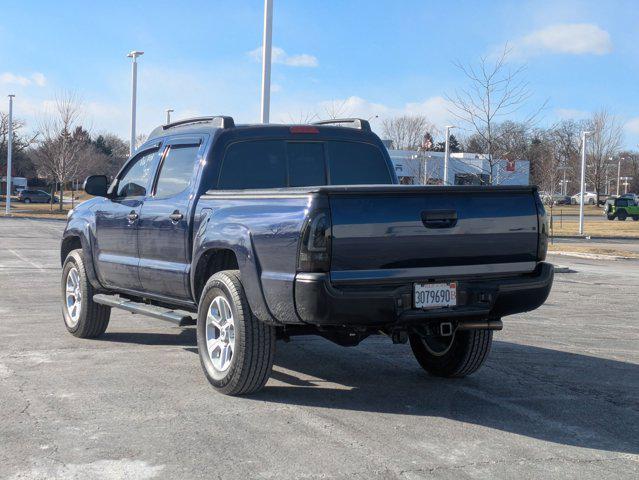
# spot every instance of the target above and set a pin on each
(567, 38)
(435, 109)
(632, 126)
(39, 79)
(9, 78)
(278, 55)
(571, 113)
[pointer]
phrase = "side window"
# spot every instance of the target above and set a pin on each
(258, 164)
(177, 170)
(306, 166)
(352, 163)
(135, 180)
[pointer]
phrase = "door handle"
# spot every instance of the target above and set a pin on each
(439, 218)
(176, 216)
(132, 216)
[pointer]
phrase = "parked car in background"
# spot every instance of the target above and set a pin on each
(590, 198)
(622, 208)
(35, 196)
(554, 198)
(562, 200)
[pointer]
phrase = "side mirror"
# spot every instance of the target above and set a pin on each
(96, 185)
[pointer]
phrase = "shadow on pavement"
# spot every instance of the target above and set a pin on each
(547, 394)
(186, 338)
(551, 395)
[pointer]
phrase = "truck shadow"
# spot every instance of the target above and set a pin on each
(556, 396)
(551, 395)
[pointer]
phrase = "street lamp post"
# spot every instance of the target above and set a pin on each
(583, 181)
(266, 60)
(447, 153)
(618, 174)
(168, 115)
(9, 156)
(134, 54)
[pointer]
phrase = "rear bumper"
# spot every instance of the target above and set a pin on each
(318, 302)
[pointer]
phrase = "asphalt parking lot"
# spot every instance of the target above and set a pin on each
(558, 397)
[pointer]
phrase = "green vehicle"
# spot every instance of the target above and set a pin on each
(622, 208)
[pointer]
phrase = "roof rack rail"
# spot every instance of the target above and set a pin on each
(224, 121)
(359, 123)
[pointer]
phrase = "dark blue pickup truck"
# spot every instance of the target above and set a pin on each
(269, 231)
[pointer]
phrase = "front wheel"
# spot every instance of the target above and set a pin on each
(455, 356)
(236, 349)
(622, 215)
(82, 316)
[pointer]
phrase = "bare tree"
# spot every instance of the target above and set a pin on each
(58, 154)
(407, 132)
(495, 91)
(335, 109)
(603, 144)
(302, 118)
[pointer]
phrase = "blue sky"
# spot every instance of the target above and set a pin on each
(368, 57)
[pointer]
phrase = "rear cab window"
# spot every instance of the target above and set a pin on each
(255, 164)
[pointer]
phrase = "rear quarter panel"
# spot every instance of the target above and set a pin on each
(263, 231)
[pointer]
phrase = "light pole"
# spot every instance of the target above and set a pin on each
(134, 54)
(447, 153)
(168, 115)
(619, 173)
(9, 156)
(583, 181)
(266, 60)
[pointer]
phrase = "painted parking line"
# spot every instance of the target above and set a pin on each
(25, 259)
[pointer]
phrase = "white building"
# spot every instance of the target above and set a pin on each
(463, 169)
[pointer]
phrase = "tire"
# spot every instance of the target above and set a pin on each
(622, 215)
(252, 342)
(467, 353)
(591, 201)
(635, 218)
(91, 319)
(27, 200)
(610, 217)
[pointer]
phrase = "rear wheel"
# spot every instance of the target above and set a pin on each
(455, 356)
(635, 218)
(622, 215)
(236, 349)
(82, 316)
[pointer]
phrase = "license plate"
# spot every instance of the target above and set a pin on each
(435, 295)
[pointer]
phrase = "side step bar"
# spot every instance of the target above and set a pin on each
(174, 316)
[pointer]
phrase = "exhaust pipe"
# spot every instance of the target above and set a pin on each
(481, 325)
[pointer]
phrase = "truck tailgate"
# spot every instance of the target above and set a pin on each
(402, 232)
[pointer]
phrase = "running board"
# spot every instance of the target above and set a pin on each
(174, 316)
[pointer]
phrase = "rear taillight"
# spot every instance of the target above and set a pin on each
(315, 245)
(542, 245)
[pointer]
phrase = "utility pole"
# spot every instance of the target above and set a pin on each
(447, 153)
(168, 115)
(134, 54)
(9, 156)
(583, 181)
(266, 60)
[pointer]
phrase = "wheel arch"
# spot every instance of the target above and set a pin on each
(218, 254)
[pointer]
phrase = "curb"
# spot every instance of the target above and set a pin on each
(28, 217)
(562, 269)
(591, 237)
(593, 256)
